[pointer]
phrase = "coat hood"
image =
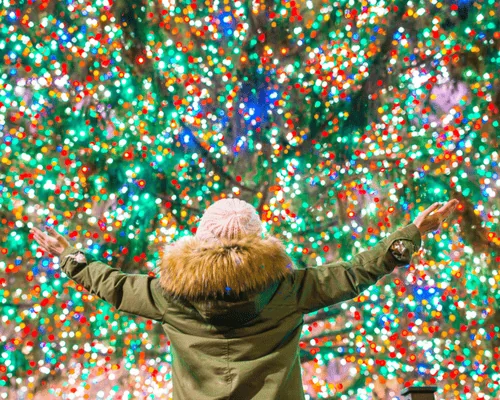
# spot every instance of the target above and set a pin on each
(224, 280)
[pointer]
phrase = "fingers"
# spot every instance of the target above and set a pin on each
(432, 218)
(44, 235)
(38, 231)
(40, 239)
(49, 242)
(49, 229)
(42, 243)
(448, 208)
(52, 232)
(430, 209)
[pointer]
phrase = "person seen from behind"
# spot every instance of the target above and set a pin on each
(231, 301)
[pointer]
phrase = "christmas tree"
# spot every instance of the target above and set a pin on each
(339, 120)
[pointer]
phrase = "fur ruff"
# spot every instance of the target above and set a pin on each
(193, 269)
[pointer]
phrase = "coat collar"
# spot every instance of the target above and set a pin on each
(195, 270)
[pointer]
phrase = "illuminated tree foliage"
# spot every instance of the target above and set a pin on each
(339, 120)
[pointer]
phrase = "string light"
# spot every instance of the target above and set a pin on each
(342, 119)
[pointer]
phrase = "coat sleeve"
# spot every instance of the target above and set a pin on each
(138, 294)
(318, 287)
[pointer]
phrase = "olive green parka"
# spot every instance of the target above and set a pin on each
(233, 311)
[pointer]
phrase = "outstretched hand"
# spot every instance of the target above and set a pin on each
(53, 243)
(427, 222)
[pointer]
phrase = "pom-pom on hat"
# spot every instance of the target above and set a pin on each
(229, 219)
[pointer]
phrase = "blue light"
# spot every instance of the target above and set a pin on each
(227, 23)
(187, 136)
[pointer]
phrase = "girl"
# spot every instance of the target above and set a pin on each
(231, 301)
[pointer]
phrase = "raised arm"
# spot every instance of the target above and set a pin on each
(138, 294)
(329, 284)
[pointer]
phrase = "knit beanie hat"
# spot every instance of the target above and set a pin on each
(229, 219)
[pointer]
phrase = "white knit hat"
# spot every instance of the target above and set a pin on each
(229, 219)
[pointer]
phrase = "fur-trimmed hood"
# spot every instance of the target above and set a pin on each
(196, 270)
(211, 276)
